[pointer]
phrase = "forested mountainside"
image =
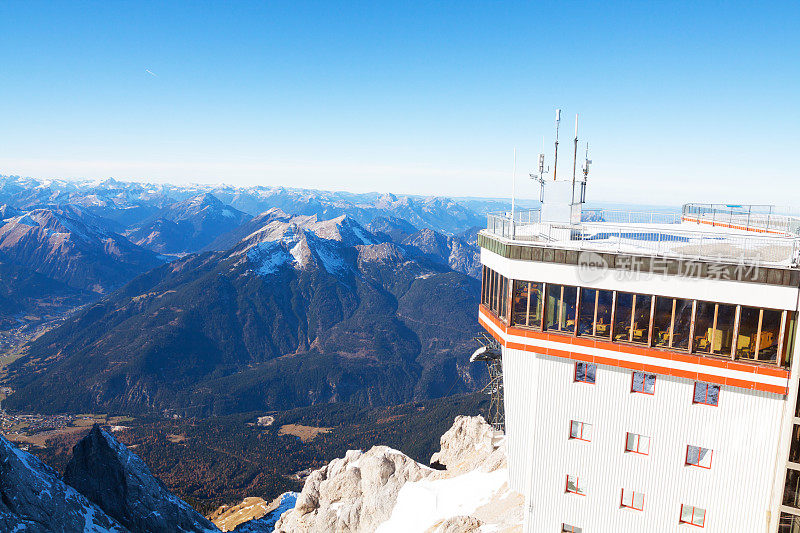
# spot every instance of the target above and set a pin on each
(298, 312)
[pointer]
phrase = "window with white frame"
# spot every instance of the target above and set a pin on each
(575, 485)
(585, 372)
(637, 444)
(644, 383)
(693, 515)
(697, 456)
(580, 431)
(632, 499)
(706, 393)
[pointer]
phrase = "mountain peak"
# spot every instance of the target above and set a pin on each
(118, 481)
(33, 498)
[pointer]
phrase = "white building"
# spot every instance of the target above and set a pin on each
(649, 367)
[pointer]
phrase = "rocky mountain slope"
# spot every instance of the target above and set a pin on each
(33, 499)
(106, 489)
(187, 226)
(118, 482)
(298, 312)
(70, 245)
(383, 490)
(131, 203)
(454, 252)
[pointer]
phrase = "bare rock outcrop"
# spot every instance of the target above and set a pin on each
(352, 494)
(471, 443)
(358, 493)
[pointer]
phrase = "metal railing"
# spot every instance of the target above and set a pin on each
(757, 218)
(757, 248)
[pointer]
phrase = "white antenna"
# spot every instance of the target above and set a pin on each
(586, 164)
(514, 184)
(542, 171)
(575, 158)
(555, 158)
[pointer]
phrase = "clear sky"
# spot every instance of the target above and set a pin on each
(679, 101)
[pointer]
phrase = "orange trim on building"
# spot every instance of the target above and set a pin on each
(731, 226)
(658, 356)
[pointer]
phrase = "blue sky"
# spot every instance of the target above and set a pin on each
(679, 101)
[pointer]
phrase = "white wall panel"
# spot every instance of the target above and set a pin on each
(542, 398)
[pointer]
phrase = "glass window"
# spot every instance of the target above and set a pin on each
(791, 489)
(575, 486)
(483, 285)
(662, 321)
(622, 316)
(788, 339)
(706, 393)
(697, 456)
(520, 303)
(789, 523)
(644, 383)
(723, 334)
(595, 313)
(748, 331)
(560, 303)
(580, 431)
(632, 499)
(768, 338)
(585, 372)
(641, 318)
(682, 324)
(503, 300)
(693, 515)
(794, 447)
(605, 301)
(703, 327)
(637, 444)
(586, 315)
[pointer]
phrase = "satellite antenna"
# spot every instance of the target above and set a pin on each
(555, 159)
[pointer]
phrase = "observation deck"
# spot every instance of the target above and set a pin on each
(754, 236)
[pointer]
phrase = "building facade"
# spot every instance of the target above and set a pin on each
(649, 368)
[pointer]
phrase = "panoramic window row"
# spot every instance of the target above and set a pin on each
(697, 326)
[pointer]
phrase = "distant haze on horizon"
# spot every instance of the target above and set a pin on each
(679, 102)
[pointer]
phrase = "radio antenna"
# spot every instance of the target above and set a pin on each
(575, 158)
(555, 159)
(586, 164)
(542, 171)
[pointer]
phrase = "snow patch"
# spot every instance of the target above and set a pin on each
(421, 504)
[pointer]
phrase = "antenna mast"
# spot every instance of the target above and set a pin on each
(542, 171)
(575, 158)
(555, 159)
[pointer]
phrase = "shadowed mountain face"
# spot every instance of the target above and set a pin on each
(71, 246)
(106, 489)
(34, 499)
(119, 483)
(299, 311)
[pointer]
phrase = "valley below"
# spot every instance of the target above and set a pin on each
(214, 461)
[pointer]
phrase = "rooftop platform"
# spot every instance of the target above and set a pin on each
(733, 235)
